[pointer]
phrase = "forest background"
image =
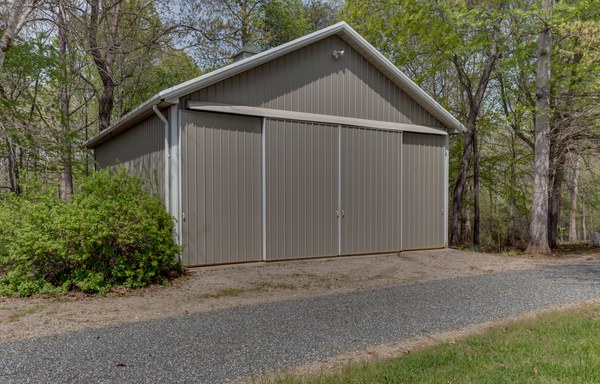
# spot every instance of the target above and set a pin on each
(522, 75)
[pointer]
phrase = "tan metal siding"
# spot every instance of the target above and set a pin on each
(141, 150)
(371, 191)
(423, 191)
(311, 80)
(302, 189)
(222, 192)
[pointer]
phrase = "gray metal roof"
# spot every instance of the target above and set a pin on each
(344, 31)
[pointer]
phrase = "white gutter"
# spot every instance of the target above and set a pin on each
(167, 156)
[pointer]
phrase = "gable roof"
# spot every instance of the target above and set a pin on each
(171, 95)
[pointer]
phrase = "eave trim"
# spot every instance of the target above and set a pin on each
(310, 117)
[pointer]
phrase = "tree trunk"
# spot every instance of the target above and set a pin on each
(475, 102)
(512, 199)
(17, 16)
(574, 196)
(13, 167)
(459, 187)
(106, 104)
(104, 63)
(538, 242)
(510, 241)
(583, 224)
(66, 182)
(554, 203)
(466, 238)
(476, 243)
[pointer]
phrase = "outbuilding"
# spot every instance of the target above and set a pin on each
(318, 147)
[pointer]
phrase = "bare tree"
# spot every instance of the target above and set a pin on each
(122, 38)
(19, 13)
(104, 59)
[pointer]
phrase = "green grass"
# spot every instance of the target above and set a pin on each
(227, 292)
(561, 347)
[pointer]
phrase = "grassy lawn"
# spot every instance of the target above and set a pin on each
(560, 347)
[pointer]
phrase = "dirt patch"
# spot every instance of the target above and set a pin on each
(210, 288)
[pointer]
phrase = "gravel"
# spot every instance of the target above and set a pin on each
(225, 345)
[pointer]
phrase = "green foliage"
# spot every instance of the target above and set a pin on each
(167, 69)
(113, 233)
(283, 21)
(443, 45)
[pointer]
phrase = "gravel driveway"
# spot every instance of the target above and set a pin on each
(224, 345)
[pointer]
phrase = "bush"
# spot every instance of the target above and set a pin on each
(112, 233)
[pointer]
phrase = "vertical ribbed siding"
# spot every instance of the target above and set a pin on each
(141, 149)
(221, 180)
(371, 191)
(302, 189)
(423, 191)
(311, 80)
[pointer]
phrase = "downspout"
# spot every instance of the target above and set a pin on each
(264, 187)
(175, 168)
(167, 156)
(445, 214)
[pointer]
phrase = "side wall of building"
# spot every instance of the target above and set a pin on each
(141, 150)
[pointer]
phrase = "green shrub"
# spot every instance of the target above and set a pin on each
(112, 233)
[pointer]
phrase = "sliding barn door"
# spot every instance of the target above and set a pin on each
(371, 198)
(301, 167)
(222, 188)
(423, 191)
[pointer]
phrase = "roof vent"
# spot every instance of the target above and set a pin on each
(247, 50)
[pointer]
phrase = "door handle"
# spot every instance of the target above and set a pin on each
(343, 214)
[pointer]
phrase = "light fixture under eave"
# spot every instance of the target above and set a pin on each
(337, 54)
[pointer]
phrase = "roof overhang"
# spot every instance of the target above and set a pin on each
(138, 114)
(344, 31)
